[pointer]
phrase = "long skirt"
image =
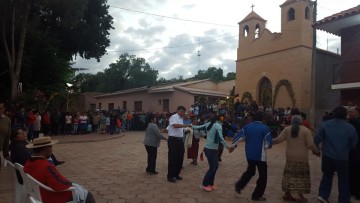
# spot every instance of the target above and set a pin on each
(296, 177)
(193, 151)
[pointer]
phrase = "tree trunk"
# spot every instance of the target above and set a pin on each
(15, 59)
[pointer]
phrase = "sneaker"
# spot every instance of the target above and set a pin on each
(178, 178)
(322, 200)
(213, 187)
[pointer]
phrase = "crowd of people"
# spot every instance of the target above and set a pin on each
(37, 158)
(336, 141)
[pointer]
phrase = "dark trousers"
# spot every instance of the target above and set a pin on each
(151, 158)
(212, 157)
(220, 151)
(175, 156)
(30, 135)
(328, 167)
(46, 129)
(354, 178)
(249, 173)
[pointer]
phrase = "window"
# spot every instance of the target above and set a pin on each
(307, 13)
(111, 106)
(257, 31)
(138, 106)
(291, 14)
(166, 105)
(92, 106)
(124, 105)
(246, 31)
(159, 101)
(99, 105)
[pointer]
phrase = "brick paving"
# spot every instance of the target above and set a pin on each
(112, 167)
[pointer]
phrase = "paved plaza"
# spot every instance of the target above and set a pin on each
(113, 169)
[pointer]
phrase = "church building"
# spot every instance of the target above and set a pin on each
(274, 69)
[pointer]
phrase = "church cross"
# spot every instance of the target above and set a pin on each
(252, 7)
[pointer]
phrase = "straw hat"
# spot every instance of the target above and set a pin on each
(41, 142)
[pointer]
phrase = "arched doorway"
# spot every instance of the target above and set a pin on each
(265, 92)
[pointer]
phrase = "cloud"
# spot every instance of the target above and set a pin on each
(171, 46)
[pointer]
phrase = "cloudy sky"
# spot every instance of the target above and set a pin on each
(169, 34)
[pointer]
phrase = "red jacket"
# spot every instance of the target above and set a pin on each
(31, 118)
(46, 119)
(43, 171)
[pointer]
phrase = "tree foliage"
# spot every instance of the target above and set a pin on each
(127, 72)
(214, 73)
(39, 38)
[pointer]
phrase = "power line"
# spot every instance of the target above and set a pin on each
(174, 18)
(177, 46)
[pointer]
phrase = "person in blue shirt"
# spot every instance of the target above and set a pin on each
(257, 138)
(335, 138)
(214, 138)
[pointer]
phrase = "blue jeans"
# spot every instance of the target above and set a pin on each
(212, 157)
(328, 167)
(128, 125)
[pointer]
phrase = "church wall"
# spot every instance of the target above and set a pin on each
(293, 65)
(283, 98)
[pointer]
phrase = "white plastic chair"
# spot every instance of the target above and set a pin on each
(32, 187)
(20, 193)
(35, 190)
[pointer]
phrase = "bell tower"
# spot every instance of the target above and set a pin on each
(251, 26)
(296, 20)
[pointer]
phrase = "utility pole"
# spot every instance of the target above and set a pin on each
(198, 54)
(313, 67)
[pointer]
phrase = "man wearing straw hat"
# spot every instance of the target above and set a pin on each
(45, 172)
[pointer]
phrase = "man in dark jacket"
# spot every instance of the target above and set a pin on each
(354, 157)
(337, 137)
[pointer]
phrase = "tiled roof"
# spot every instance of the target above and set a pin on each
(204, 92)
(348, 18)
(337, 16)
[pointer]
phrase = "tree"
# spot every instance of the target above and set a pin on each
(213, 73)
(69, 27)
(127, 72)
(14, 15)
(230, 76)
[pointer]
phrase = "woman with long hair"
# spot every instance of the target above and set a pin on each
(214, 137)
(152, 142)
(296, 177)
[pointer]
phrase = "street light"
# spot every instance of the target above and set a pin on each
(67, 97)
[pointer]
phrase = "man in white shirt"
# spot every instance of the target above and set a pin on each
(176, 144)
